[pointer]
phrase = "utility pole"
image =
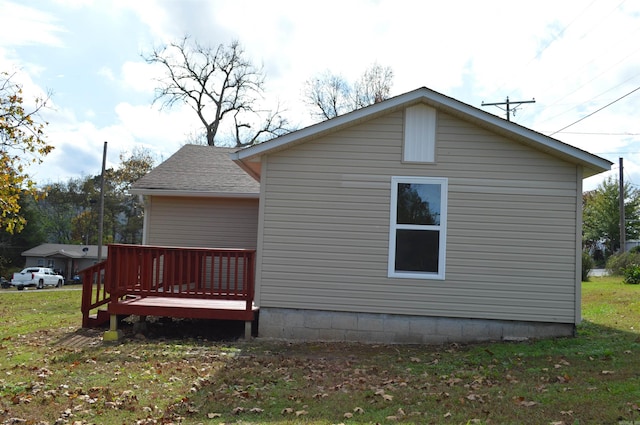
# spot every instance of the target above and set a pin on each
(508, 102)
(101, 214)
(623, 231)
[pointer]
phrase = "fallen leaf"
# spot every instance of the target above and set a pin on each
(359, 410)
(607, 372)
(348, 415)
(256, 410)
(387, 397)
(447, 415)
(286, 411)
(213, 415)
(301, 412)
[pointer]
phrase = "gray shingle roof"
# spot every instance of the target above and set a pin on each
(68, 250)
(197, 168)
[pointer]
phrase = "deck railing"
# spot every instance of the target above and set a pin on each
(142, 270)
(94, 292)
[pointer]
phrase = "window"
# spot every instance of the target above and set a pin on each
(417, 236)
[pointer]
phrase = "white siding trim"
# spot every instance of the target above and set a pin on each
(145, 220)
(578, 293)
(260, 239)
(419, 134)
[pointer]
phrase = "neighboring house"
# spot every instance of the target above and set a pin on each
(419, 219)
(65, 258)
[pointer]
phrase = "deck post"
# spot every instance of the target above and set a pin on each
(247, 329)
(113, 334)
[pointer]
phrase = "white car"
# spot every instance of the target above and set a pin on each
(38, 277)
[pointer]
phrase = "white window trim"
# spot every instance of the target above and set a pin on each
(442, 228)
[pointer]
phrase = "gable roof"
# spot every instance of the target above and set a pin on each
(196, 170)
(65, 250)
(249, 158)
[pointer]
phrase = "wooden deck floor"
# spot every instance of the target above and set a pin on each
(191, 308)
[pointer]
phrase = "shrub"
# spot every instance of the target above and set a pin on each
(587, 265)
(632, 274)
(616, 264)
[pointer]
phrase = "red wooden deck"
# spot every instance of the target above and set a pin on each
(190, 308)
(170, 282)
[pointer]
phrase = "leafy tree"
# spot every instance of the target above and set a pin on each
(221, 85)
(13, 244)
(70, 211)
(330, 95)
(64, 201)
(131, 169)
(601, 215)
(22, 142)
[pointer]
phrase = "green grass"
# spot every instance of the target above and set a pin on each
(593, 378)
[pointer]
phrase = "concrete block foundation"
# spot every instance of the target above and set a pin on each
(314, 325)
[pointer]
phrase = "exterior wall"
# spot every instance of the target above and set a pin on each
(511, 240)
(201, 222)
(396, 329)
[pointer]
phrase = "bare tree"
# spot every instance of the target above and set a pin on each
(221, 85)
(374, 86)
(330, 95)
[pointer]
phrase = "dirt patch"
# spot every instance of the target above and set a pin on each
(82, 338)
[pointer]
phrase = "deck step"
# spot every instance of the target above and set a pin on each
(98, 319)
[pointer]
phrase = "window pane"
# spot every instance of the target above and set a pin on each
(417, 250)
(418, 204)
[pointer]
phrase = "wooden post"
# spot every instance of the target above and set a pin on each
(113, 334)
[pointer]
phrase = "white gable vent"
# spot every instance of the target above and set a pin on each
(419, 134)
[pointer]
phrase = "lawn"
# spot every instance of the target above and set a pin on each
(209, 377)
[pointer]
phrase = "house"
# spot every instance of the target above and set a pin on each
(67, 259)
(419, 219)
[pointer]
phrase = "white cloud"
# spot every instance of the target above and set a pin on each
(23, 25)
(141, 76)
(107, 73)
(571, 56)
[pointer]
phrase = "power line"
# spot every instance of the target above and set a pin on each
(598, 110)
(596, 133)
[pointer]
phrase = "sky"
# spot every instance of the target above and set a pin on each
(579, 60)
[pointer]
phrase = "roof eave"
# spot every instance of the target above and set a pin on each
(591, 164)
(193, 193)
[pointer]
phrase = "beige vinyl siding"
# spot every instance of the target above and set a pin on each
(202, 222)
(511, 250)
